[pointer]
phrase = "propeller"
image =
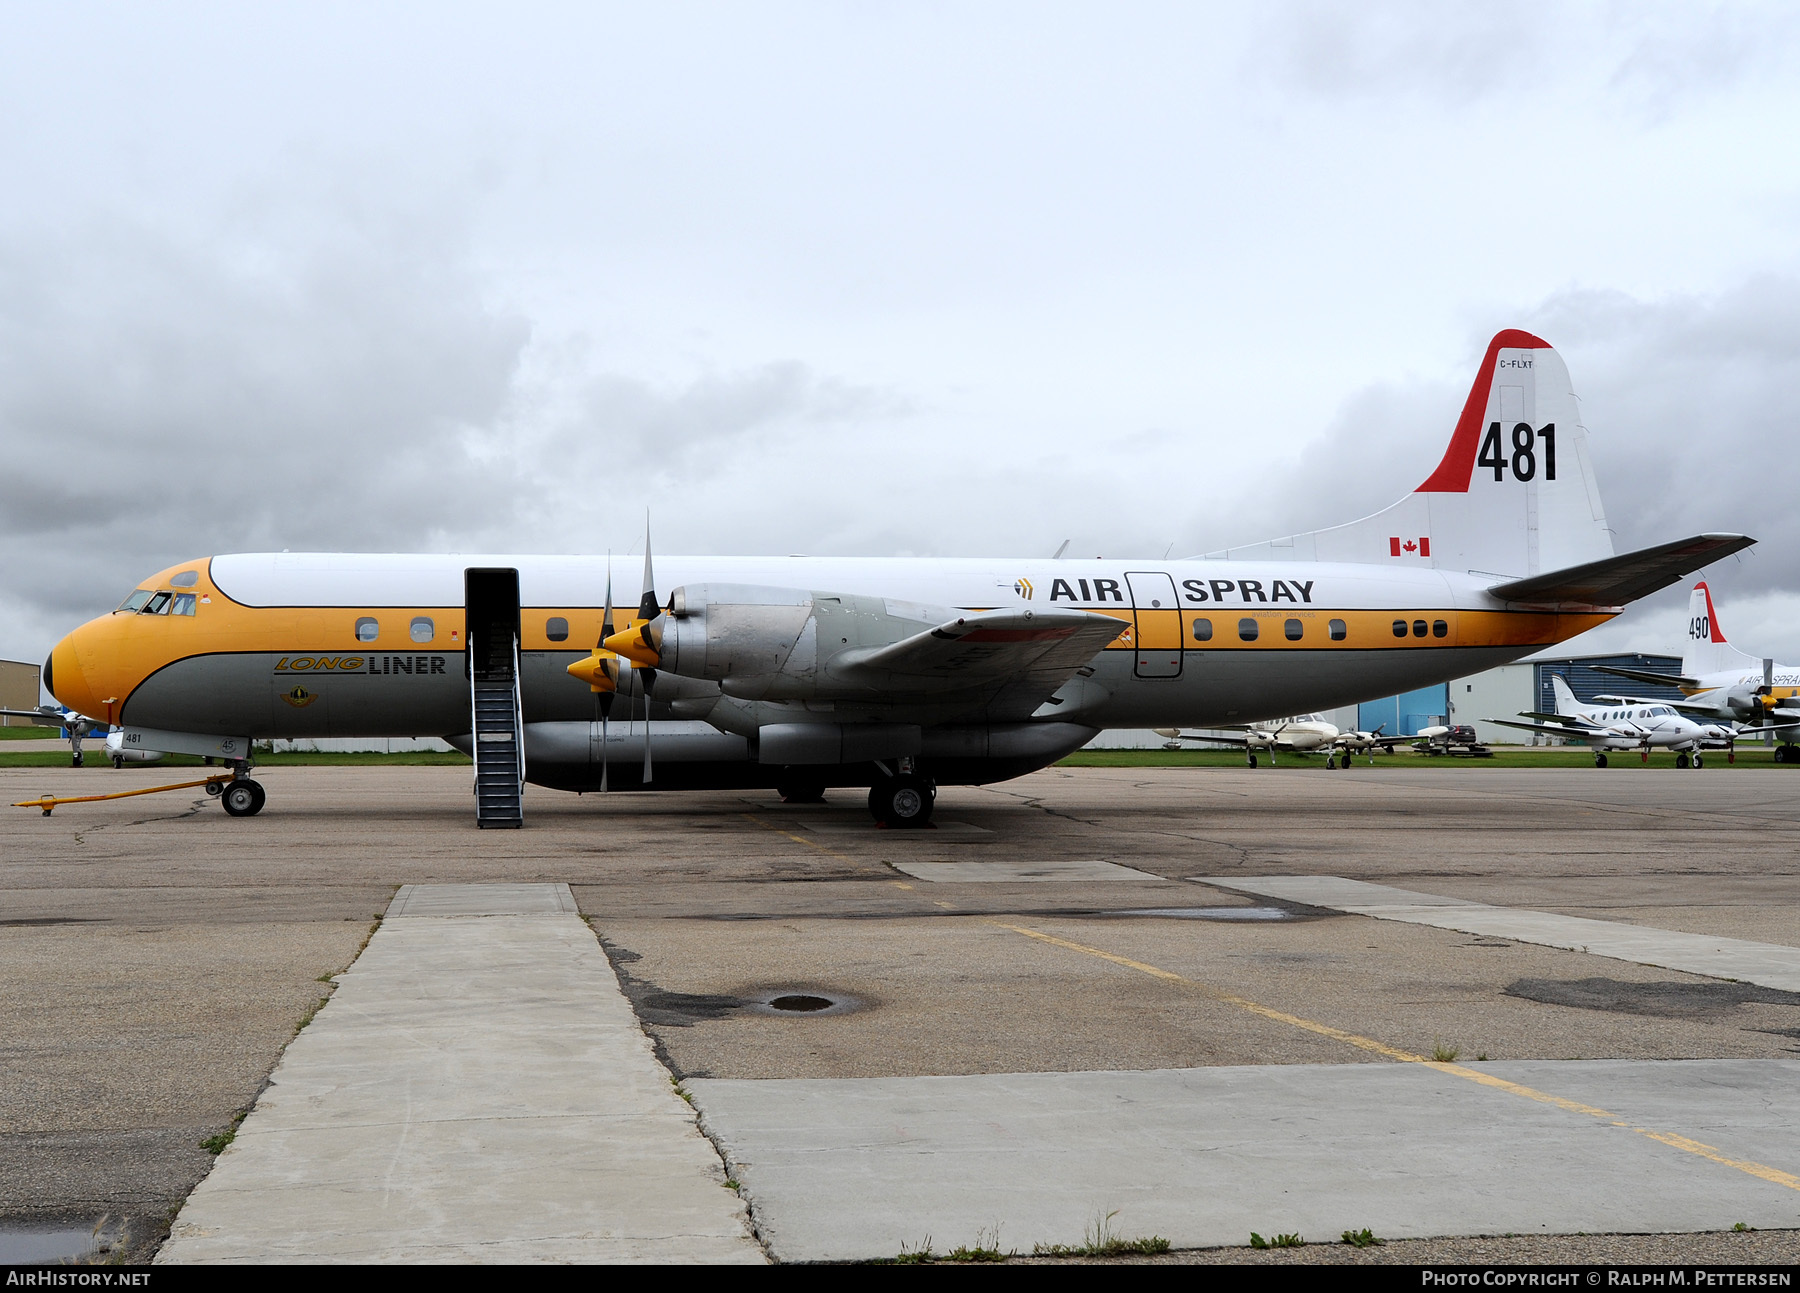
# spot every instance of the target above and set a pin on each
(641, 643)
(600, 670)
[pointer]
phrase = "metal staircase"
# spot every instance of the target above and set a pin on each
(491, 616)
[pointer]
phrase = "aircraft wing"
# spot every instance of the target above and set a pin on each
(1644, 675)
(42, 717)
(1552, 729)
(1625, 578)
(1023, 656)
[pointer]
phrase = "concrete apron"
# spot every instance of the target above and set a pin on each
(1770, 965)
(845, 1169)
(478, 1089)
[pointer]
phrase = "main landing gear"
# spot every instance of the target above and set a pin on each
(1599, 760)
(903, 802)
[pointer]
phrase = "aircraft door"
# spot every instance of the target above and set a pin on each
(1156, 624)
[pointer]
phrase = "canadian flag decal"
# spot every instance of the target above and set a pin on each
(1419, 547)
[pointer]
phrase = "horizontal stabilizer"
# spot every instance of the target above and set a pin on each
(1646, 675)
(1614, 581)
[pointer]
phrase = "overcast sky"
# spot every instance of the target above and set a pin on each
(875, 279)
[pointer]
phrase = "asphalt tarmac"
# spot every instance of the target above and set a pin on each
(158, 956)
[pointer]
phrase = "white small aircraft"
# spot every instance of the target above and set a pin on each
(1301, 734)
(1640, 727)
(1725, 685)
(79, 729)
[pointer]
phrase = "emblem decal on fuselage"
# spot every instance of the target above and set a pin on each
(299, 697)
(1023, 588)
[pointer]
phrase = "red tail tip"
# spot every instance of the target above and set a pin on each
(1452, 474)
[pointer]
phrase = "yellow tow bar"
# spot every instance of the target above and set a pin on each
(48, 804)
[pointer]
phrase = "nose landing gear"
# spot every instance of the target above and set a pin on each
(242, 798)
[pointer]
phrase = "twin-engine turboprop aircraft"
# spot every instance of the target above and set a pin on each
(1725, 685)
(899, 675)
(1602, 728)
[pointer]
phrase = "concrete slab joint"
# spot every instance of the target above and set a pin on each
(478, 1089)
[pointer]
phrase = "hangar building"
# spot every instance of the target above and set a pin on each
(18, 690)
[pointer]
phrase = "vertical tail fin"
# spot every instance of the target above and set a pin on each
(1514, 495)
(1565, 696)
(1707, 650)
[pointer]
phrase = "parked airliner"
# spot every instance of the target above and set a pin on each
(898, 675)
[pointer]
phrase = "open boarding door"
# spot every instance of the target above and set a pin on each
(1156, 624)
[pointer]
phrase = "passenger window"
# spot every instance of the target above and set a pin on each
(423, 630)
(184, 604)
(1439, 629)
(186, 579)
(135, 602)
(367, 630)
(1399, 628)
(1418, 628)
(556, 628)
(1247, 629)
(159, 603)
(1294, 629)
(1339, 630)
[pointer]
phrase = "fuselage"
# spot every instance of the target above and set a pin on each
(301, 645)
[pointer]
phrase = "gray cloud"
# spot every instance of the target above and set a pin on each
(1649, 59)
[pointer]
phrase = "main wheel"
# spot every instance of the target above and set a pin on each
(118, 761)
(1681, 760)
(1781, 754)
(1699, 760)
(1252, 759)
(800, 788)
(243, 798)
(904, 802)
(1599, 760)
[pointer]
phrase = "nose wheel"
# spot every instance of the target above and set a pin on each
(242, 798)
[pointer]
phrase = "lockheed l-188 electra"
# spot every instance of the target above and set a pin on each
(899, 675)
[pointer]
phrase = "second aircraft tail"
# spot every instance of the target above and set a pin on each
(1707, 650)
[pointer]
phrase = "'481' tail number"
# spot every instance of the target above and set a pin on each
(1524, 460)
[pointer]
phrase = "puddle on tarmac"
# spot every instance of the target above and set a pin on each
(30, 1246)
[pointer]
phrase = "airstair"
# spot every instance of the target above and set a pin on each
(491, 618)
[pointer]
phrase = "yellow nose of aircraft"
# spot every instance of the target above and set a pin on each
(65, 679)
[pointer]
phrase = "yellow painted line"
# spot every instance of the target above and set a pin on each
(800, 839)
(1762, 1171)
(796, 838)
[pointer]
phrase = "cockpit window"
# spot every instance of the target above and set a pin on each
(136, 601)
(184, 604)
(158, 603)
(186, 579)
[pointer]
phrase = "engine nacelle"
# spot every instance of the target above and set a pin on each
(762, 643)
(719, 631)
